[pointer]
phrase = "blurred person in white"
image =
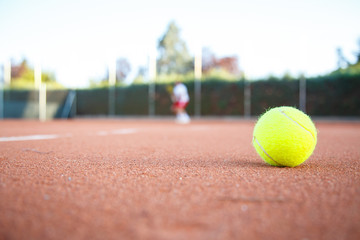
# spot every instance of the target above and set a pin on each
(180, 98)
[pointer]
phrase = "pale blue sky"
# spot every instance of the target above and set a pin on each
(77, 39)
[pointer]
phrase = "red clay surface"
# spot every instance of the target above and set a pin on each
(123, 179)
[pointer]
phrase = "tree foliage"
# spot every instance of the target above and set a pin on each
(348, 68)
(174, 56)
(357, 53)
(123, 68)
(228, 65)
(23, 76)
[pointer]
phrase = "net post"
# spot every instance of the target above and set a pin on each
(152, 79)
(2, 92)
(247, 97)
(302, 93)
(42, 102)
(197, 83)
(112, 82)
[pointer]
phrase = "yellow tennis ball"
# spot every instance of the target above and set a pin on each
(284, 136)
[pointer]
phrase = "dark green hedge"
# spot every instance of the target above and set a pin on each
(272, 93)
(132, 100)
(326, 96)
(337, 95)
(25, 103)
(334, 96)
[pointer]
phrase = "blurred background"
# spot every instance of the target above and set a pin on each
(66, 59)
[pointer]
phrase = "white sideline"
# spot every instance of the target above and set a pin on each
(54, 136)
(117, 132)
(28, 138)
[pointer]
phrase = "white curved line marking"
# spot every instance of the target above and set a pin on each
(308, 131)
(257, 142)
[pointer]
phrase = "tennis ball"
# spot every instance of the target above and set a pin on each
(284, 136)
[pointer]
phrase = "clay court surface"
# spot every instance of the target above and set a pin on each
(154, 179)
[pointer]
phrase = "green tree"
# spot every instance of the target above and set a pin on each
(342, 61)
(349, 69)
(174, 55)
(357, 53)
(22, 76)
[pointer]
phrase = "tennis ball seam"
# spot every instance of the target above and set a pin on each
(262, 149)
(296, 122)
